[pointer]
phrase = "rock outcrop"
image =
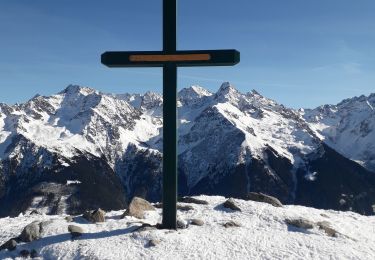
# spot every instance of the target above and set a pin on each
(137, 208)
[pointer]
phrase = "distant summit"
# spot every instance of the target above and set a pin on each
(192, 94)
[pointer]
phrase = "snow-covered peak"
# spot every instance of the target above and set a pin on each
(227, 88)
(255, 95)
(348, 127)
(151, 100)
(360, 107)
(78, 118)
(193, 93)
(133, 99)
(362, 103)
(193, 96)
(254, 92)
(259, 101)
(148, 101)
(76, 89)
(5, 109)
(228, 93)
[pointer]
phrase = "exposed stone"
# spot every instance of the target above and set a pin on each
(231, 204)
(326, 226)
(197, 222)
(145, 227)
(137, 208)
(192, 200)
(231, 223)
(69, 219)
(25, 253)
(95, 216)
(300, 223)
(10, 245)
(260, 197)
(34, 212)
(31, 232)
(324, 215)
(182, 224)
(153, 242)
(158, 205)
(179, 206)
(76, 231)
(159, 225)
(98, 215)
(43, 225)
(184, 207)
(87, 215)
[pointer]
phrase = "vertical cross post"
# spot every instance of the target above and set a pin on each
(169, 117)
(169, 59)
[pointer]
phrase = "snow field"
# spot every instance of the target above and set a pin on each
(263, 235)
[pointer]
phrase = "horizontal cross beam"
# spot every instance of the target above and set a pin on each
(180, 58)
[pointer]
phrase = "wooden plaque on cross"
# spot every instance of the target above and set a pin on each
(169, 59)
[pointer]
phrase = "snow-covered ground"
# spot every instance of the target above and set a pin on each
(263, 235)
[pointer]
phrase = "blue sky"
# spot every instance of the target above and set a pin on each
(301, 53)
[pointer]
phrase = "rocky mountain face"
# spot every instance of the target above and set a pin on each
(348, 127)
(82, 149)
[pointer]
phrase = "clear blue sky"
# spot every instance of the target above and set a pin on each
(302, 53)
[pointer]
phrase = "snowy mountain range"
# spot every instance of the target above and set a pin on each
(83, 149)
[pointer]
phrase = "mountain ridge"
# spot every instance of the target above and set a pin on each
(245, 140)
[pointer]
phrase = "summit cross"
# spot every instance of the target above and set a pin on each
(169, 59)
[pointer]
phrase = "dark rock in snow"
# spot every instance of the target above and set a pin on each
(10, 245)
(158, 205)
(197, 222)
(231, 223)
(179, 206)
(31, 232)
(231, 204)
(69, 219)
(260, 197)
(137, 208)
(326, 226)
(95, 216)
(182, 224)
(300, 223)
(76, 231)
(87, 215)
(153, 242)
(184, 207)
(146, 227)
(98, 215)
(34, 212)
(188, 199)
(43, 225)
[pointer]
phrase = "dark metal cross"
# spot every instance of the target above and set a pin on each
(170, 58)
